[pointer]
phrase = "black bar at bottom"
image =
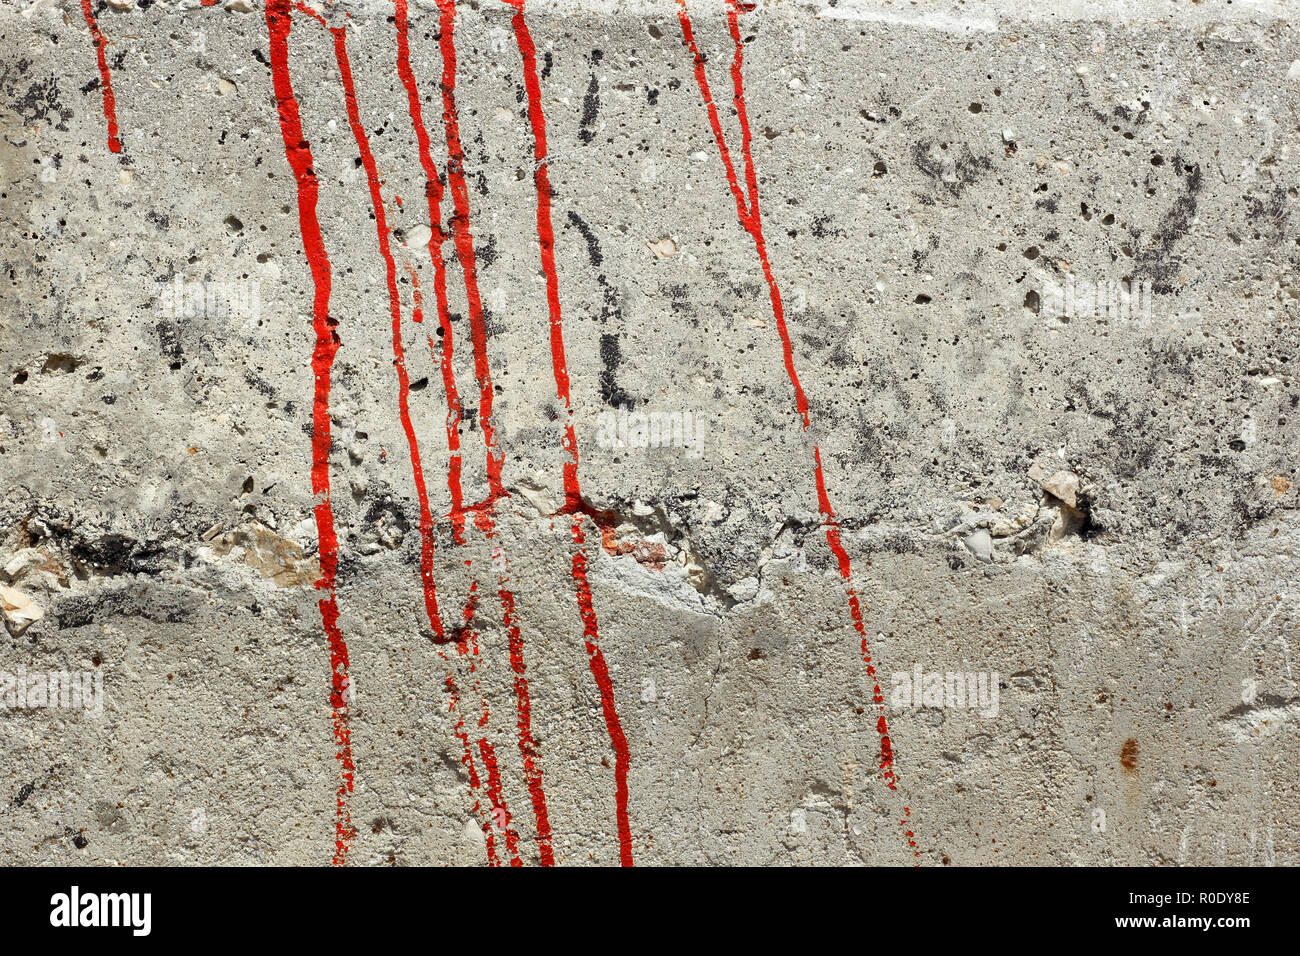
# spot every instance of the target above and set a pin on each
(324, 906)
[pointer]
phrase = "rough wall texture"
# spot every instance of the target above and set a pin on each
(493, 454)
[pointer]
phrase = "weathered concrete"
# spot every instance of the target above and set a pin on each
(1093, 508)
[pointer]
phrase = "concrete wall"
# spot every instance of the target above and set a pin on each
(977, 367)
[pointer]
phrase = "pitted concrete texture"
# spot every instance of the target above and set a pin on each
(401, 490)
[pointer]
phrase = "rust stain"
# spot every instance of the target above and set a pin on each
(1280, 486)
(1128, 755)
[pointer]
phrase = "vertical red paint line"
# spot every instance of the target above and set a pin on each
(467, 759)
(442, 353)
(529, 751)
(464, 243)
(433, 192)
(417, 293)
(399, 362)
(105, 78)
(395, 310)
(701, 80)
(600, 673)
(528, 748)
(738, 100)
(747, 209)
(298, 153)
(573, 493)
(500, 813)
(468, 638)
(500, 817)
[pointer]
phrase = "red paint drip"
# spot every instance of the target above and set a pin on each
(467, 756)
(433, 192)
(443, 354)
(417, 294)
(747, 210)
(467, 760)
(600, 672)
(399, 362)
(500, 812)
(298, 153)
(572, 490)
(395, 310)
(464, 242)
(529, 751)
(105, 78)
(303, 8)
(528, 748)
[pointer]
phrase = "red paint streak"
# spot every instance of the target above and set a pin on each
(500, 812)
(454, 706)
(483, 517)
(105, 78)
(395, 310)
(600, 672)
(528, 749)
(433, 196)
(467, 759)
(417, 294)
(465, 638)
(298, 153)
(747, 210)
(464, 242)
(574, 503)
(426, 521)
(303, 8)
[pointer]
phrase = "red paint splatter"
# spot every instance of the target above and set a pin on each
(298, 153)
(574, 503)
(747, 210)
(467, 759)
(528, 748)
(417, 293)
(105, 78)
(500, 812)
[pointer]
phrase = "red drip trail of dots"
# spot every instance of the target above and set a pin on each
(747, 211)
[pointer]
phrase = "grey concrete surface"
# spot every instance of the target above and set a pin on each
(1039, 271)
